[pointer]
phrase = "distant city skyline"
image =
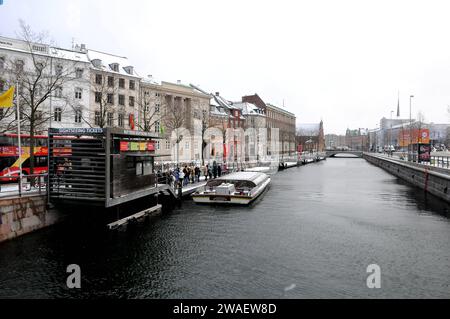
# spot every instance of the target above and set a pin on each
(343, 63)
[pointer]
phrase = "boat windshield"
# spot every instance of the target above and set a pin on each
(236, 183)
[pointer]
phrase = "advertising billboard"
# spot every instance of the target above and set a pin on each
(417, 136)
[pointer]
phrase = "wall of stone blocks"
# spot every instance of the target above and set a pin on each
(429, 180)
(22, 215)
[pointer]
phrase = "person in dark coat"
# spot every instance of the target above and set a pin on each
(214, 169)
(197, 173)
(219, 170)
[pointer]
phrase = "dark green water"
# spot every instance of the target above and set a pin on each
(312, 235)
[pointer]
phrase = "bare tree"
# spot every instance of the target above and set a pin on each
(174, 119)
(104, 92)
(203, 116)
(149, 115)
(37, 84)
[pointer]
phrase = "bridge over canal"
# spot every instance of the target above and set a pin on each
(333, 153)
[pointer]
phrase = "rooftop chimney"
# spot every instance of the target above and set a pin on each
(217, 94)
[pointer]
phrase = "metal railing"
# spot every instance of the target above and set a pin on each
(35, 183)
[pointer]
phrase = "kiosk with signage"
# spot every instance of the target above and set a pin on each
(104, 166)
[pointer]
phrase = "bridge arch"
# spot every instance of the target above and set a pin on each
(333, 153)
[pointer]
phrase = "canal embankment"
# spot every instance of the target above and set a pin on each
(21, 215)
(433, 180)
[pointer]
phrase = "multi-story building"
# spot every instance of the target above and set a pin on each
(358, 139)
(335, 141)
(61, 78)
(114, 91)
(279, 118)
(158, 99)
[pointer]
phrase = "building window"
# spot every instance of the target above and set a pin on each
(98, 97)
(19, 66)
(110, 81)
(78, 115)
(98, 79)
(97, 118)
(58, 91)
(186, 145)
(122, 83)
(120, 120)
(121, 99)
(57, 114)
(157, 126)
(132, 85)
(78, 93)
(79, 73)
(131, 100)
(110, 98)
(167, 144)
(157, 145)
(110, 119)
(58, 69)
(157, 107)
(115, 67)
(157, 94)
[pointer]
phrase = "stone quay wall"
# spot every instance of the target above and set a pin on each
(22, 215)
(427, 178)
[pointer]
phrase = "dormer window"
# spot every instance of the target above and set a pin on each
(97, 63)
(114, 67)
(129, 69)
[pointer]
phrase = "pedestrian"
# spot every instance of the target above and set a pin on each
(206, 172)
(210, 173)
(214, 169)
(197, 173)
(219, 170)
(185, 175)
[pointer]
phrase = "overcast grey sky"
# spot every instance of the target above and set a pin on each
(340, 61)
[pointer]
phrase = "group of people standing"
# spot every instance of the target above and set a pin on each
(192, 173)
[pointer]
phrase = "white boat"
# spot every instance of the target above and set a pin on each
(235, 188)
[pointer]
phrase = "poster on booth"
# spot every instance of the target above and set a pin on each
(424, 152)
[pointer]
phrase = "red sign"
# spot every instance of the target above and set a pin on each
(123, 146)
(299, 148)
(150, 146)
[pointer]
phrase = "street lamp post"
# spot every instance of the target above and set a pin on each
(390, 134)
(410, 155)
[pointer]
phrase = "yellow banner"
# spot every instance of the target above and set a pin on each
(6, 99)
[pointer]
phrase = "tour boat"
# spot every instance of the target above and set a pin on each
(235, 188)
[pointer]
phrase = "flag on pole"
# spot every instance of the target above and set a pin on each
(398, 105)
(131, 120)
(6, 99)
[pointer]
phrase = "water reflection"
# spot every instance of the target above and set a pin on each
(312, 235)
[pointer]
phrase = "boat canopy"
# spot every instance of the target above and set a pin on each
(239, 179)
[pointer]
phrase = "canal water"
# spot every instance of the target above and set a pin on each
(312, 235)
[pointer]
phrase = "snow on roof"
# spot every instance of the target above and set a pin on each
(222, 102)
(248, 108)
(107, 60)
(69, 55)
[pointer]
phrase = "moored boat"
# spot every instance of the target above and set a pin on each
(235, 188)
